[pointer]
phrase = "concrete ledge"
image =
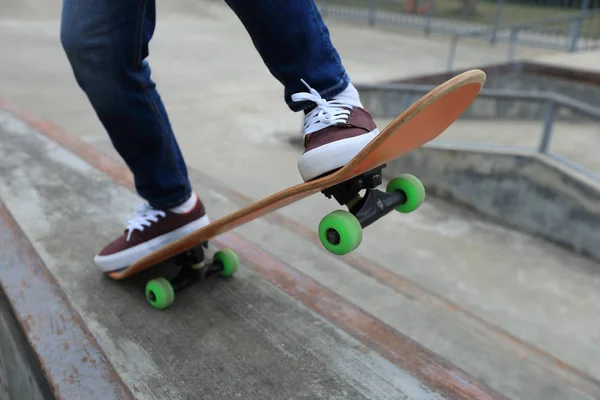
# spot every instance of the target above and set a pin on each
(522, 189)
(46, 351)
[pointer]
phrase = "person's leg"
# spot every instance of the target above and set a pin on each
(106, 43)
(294, 43)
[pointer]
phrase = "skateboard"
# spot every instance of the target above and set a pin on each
(340, 232)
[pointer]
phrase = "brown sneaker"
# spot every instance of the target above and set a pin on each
(334, 132)
(149, 230)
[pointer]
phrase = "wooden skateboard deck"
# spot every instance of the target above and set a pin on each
(422, 122)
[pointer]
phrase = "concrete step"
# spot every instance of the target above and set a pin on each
(243, 338)
(507, 318)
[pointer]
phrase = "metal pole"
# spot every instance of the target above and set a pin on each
(407, 100)
(548, 124)
(372, 11)
(452, 54)
(576, 26)
(431, 6)
(325, 9)
(512, 44)
(496, 21)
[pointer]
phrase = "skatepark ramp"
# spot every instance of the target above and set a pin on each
(441, 303)
(272, 332)
(295, 319)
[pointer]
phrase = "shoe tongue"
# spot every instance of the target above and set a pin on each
(348, 101)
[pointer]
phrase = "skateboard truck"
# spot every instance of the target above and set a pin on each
(341, 231)
(374, 204)
(160, 292)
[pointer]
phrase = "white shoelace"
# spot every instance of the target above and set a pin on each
(143, 217)
(325, 114)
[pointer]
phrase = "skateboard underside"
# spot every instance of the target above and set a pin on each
(355, 186)
(160, 292)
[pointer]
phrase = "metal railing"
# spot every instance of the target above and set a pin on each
(552, 102)
(511, 35)
(376, 12)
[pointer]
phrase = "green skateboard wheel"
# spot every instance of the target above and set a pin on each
(229, 260)
(412, 188)
(340, 232)
(160, 293)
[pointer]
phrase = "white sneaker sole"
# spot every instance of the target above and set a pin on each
(123, 259)
(332, 155)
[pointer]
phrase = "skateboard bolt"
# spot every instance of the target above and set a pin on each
(333, 236)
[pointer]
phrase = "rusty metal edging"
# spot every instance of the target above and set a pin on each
(71, 360)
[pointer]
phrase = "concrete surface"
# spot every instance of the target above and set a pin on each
(513, 311)
(584, 61)
(439, 303)
(519, 188)
(505, 326)
(236, 339)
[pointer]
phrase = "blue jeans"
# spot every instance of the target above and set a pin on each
(106, 42)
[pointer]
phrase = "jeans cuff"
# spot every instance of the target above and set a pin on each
(168, 203)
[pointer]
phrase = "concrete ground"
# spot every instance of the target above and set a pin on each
(511, 311)
(588, 61)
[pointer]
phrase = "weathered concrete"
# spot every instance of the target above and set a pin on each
(497, 337)
(242, 339)
(522, 189)
(585, 61)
